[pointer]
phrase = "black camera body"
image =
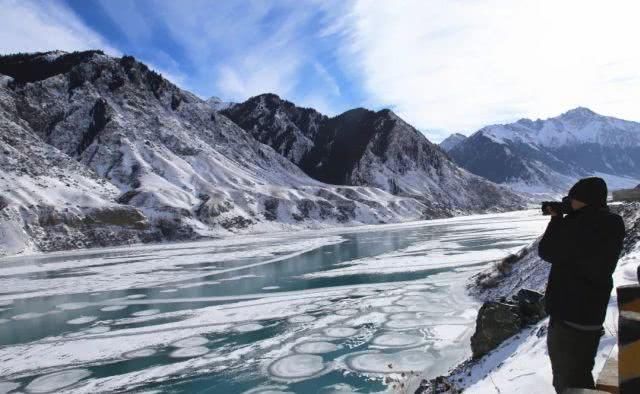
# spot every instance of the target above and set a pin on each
(560, 207)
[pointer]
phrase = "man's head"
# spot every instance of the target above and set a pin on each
(588, 191)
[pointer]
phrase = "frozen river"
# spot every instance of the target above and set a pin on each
(306, 312)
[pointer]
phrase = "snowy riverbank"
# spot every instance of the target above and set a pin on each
(521, 364)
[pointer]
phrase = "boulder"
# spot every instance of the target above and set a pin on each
(499, 320)
(496, 322)
(438, 385)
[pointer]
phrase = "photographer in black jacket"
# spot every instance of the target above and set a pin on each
(583, 248)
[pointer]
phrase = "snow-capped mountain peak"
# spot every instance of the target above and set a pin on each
(579, 112)
(218, 104)
(551, 154)
(451, 141)
(577, 126)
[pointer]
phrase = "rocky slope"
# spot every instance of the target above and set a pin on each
(99, 151)
(366, 148)
(549, 155)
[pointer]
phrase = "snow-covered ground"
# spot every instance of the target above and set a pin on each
(331, 309)
(521, 364)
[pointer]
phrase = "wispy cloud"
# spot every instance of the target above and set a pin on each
(248, 48)
(31, 26)
(461, 64)
(445, 66)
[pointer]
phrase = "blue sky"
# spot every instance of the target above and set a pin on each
(444, 66)
(231, 49)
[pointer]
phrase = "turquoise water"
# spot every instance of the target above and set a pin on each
(313, 312)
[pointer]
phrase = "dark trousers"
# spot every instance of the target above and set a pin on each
(572, 353)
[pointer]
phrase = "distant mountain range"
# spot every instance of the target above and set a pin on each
(99, 151)
(547, 156)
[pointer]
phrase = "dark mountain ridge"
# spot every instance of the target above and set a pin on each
(366, 148)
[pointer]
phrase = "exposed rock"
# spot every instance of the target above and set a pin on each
(531, 305)
(124, 216)
(438, 385)
(496, 322)
(499, 320)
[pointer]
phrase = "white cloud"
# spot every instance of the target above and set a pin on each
(242, 49)
(31, 26)
(457, 65)
(38, 26)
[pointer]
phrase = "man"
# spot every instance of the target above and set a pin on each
(583, 248)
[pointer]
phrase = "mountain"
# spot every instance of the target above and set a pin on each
(367, 148)
(452, 141)
(100, 151)
(217, 103)
(549, 155)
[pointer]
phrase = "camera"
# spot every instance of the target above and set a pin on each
(561, 207)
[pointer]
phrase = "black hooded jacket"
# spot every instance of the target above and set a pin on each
(583, 249)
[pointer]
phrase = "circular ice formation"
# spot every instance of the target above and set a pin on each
(136, 296)
(140, 353)
(169, 291)
(98, 330)
(322, 303)
(402, 316)
(404, 324)
(339, 332)
(270, 287)
(269, 390)
(191, 342)
(393, 309)
(301, 319)
(71, 306)
(416, 294)
(6, 387)
(185, 352)
(317, 347)
(146, 312)
(396, 340)
(56, 381)
(27, 316)
(296, 367)
(248, 327)
(113, 308)
(346, 312)
(375, 362)
(417, 287)
(82, 320)
(411, 300)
